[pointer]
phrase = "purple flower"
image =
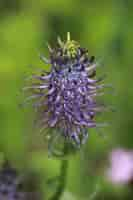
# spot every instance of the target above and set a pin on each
(10, 183)
(66, 95)
(121, 166)
(14, 186)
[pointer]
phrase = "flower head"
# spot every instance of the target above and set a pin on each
(10, 183)
(17, 186)
(66, 95)
(121, 166)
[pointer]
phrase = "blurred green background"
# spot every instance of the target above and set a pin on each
(106, 29)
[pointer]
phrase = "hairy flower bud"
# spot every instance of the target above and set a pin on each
(66, 95)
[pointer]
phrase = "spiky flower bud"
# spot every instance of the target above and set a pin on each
(66, 96)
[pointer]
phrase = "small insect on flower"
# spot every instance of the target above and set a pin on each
(65, 97)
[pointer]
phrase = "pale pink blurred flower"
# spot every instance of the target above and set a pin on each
(121, 166)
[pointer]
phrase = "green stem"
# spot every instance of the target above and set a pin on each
(62, 180)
